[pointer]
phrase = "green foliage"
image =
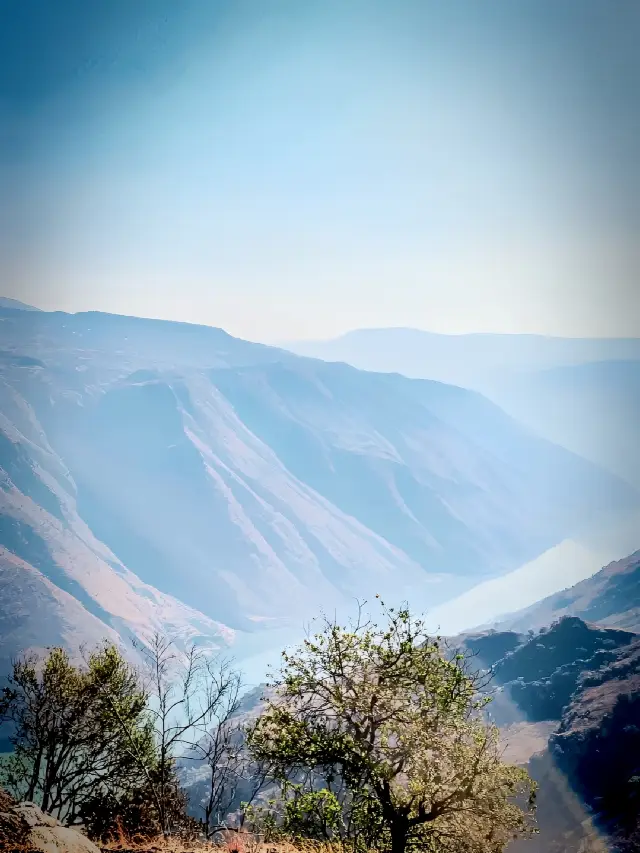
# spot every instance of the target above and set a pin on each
(299, 813)
(393, 725)
(74, 731)
(98, 743)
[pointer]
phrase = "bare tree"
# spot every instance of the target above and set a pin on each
(221, 747)
(189, 694)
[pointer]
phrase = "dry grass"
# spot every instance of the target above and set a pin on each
(232, 842)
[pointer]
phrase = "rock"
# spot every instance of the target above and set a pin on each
(27, 827)
(14, 831)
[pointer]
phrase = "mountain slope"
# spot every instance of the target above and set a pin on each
(253, 485)
(583, 394)
(537, 673)
(593, 409)
(59, 584)
(597, 745)
(610, 597)
(582, 683)
(7, 302)
(588, 774)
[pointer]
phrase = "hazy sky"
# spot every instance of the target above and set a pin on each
(296, 168)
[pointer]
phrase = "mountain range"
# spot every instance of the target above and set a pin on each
(15, 304)
(159, 474)
(465, 359)
(581, 393)
(592, 409)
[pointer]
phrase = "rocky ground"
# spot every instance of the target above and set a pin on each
(24, 828)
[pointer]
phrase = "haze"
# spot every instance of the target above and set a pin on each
(293, 170)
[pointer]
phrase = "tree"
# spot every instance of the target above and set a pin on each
(298, 814)
(221, 748)
(386, 715)
(68, 740)
(186, 691)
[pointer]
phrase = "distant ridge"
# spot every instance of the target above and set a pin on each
(7, 302)
(580, 393)
(471, 360)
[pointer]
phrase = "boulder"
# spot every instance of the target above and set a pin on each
(25, 826)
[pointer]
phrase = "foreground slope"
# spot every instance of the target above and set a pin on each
(160, 459)
(568, 701)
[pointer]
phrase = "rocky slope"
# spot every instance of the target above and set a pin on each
(597, 745)
(25, 828)
(610, 597)
(535, 675)
(578, 685)
(166, 474)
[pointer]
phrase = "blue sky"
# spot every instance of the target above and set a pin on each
(297, 168)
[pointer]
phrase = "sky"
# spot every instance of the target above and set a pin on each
(293, 169)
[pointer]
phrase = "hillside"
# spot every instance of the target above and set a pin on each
(15, 304)
(610, 597)
(597, 745)
(580, 393)
(578, 686)
(535, 674)
(472, 360)
(592, 409)
(588, 775)
(241, 486)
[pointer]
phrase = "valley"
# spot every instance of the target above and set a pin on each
(167, 474)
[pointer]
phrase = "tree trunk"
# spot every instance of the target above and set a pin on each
(35, 777)
(399, 833)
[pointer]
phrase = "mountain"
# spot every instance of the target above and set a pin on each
(15, 304)
(169, 474)
(588, 773)
(536, 674)
(576, 686)
(581, 393)
(592, 409)
(611, 597)
(60, 585)
(472, 360)
(597, 746)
